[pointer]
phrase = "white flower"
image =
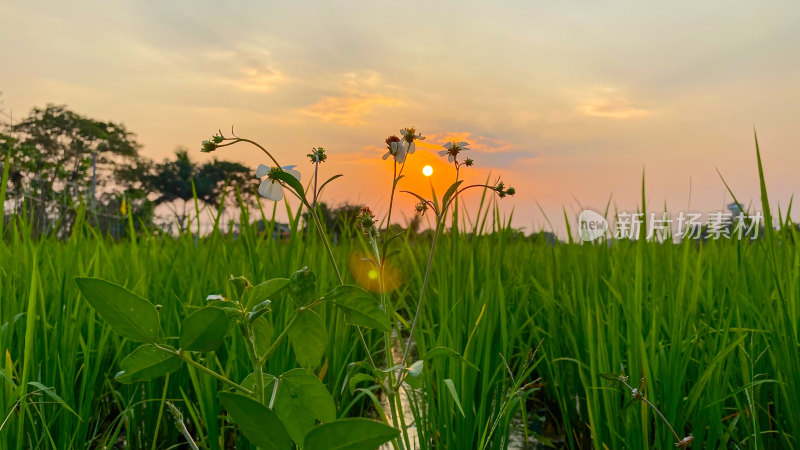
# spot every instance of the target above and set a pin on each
(397, 150)
(453, 149)
(409, 136)
(270, 187)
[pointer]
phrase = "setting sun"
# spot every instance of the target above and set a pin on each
(427, 171)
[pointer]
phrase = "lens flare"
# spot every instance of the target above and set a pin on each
(427, 171)
(368, 276)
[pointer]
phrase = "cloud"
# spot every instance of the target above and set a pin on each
(612, 105)
(494, 152)
(358, 94)
(263, 79)
(483, 144)
(348, 110)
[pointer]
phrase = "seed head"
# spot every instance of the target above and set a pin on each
(366, 222)
(421, 208)
(317, 155)
(390, 140)
(208, 146)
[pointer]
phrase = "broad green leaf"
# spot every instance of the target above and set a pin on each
(145, 363)
(361, 377)
(303, 286)
(309, 337)
(291, 181)
(128, 314)
(301, 399)
(414, 376)
(204, 330)
(264, 291)
(258, 423)
(259, 310)
(360, 307)
(240, 285)
(249, 382)
(415, 369)
(349, 434)
(452, 388)
(262, 331)
(450, 192)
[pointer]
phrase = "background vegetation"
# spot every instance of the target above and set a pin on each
(711, 327)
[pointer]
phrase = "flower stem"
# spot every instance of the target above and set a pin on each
(424, 286)
(316, 171)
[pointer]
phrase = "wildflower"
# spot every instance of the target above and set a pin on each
(468, 162)
(453, 149)
(396, 149)
(421, 208)
(409, 136)
(317, 155)
(270, 187)
(366, 222)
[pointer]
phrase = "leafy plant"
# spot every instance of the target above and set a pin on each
(272, 411)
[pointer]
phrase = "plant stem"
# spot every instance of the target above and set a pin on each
(160, 412)
(278, 340)
(205, 369)
(439, 221)
(324, 239)
(653, 407)
(316, 170)
(247, 330)
(208, 371)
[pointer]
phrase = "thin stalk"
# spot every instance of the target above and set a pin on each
(238, 139)
(422, 291)
(278, 340)
(391, 196)
(653, 407)
(327, 244)
(316, 172)
(160, 412)
(205, 369)
(251, 351)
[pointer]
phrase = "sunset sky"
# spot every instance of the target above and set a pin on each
(568, 101)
